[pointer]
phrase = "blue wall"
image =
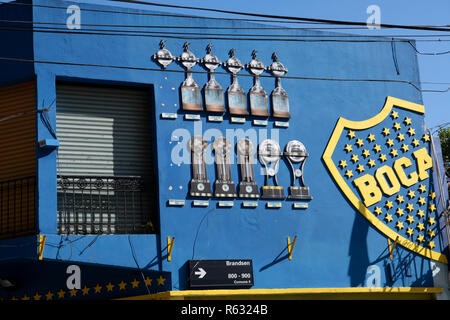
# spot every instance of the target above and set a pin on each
(335, 243)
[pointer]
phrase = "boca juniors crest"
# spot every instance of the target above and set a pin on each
(384, 168)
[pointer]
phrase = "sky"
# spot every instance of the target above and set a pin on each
(433, 68)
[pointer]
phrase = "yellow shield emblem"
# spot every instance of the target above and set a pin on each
(383, 167)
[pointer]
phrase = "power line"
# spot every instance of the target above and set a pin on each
(328, 21)
(219, 72)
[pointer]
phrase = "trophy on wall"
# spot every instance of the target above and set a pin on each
(280, 99)
(223, 186)
(269, 153)
(190, 91)
(247, 186)
(295, 152)
(163, 56)
(199, 185)
(259, 105)
(237, 99)
(214, 100)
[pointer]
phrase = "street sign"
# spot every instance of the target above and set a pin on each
(236, 273)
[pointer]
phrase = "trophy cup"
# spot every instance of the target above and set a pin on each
(259, 105)
(163, 56)
(247, 186)
(295, 152)
(237, 100)
(223, 186)
(214, 100)
(269, 152)
(199, 185)
(190, 91)
(280, 99)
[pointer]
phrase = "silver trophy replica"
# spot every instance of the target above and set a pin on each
(237, 99)
(259, 104)
(247, 186)
(280, 99)
(214, 100)
(223, 186)
(295, 152)
(190, 91)
(199, 185)
(163, 56)
(269, 152)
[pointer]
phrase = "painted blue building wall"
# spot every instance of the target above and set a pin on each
(335, 244)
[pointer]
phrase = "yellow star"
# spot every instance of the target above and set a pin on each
(411, 194)
(348, 148)
(386, 132)
(421, 201)
(420, 238)
(73, 292)
(394, 114)
(360, 168)
(349, 174)
(25, 297)
(61, 293)
(37, 296)
(394, 153)
(410, 219)
(397, 126)
(377, 148)
(160, 280)
(431, 233)
(148, 281)
(431, 244)
(49, 295)
(122, 285)
(399, 212)
(97, 288)
(388, 217)
(359, 142)
(431, 221)
(411, 132)
(388, 204)
(432, 195)
(14, 298)
(432, 207)
(422, 188)
(405, 147)
(400, 199)
(371, 163)
(382, 157)
(420, 226)
(399, 225)
(410, 232)
(377, 210)
(371, 137)
(366, 153)
(109, 286)
(354, 158)
(351, 134)
(409, 207)
(135, 283)
(390, 142)
(426, 138)
(400, 137)
(343, 163)
(85, 290)
(420, 213)
(407, 121)
(415, 142)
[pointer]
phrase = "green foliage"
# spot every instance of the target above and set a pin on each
(444, 136)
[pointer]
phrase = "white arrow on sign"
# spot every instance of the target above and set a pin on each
(200, 273)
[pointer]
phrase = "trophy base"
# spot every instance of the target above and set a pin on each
(248, 190)
(272, 192)
(281, 114)
(200, 188)
(300, 193)
(280, 106)
(237, 103)
(191, 98)
(214, 100)
(224, 189)
(259, 105)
